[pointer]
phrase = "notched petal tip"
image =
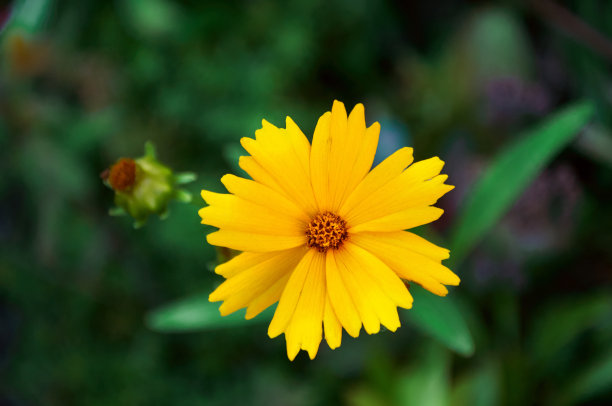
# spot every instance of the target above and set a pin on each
(353, 332)
(209, 196)
(202, 214)
(289, 122)
(266, 123)
(393, 327)
(358, 108)
(406, 301)
(211, 238)
(404, 151)
(453, 280)
(312, 353)
(274, 331)
(440, 290)
(439, 162)
(247, 141)
(376, 127)
(292, 353)
(320, 122)
(214, 296)
(338, 109)
(224, 311)
(227, 178)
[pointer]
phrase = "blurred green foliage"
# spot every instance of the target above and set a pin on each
(85, 82)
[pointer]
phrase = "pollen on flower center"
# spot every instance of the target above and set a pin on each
(122, 175)
(325, 231)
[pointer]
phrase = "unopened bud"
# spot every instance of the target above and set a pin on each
(144, 186)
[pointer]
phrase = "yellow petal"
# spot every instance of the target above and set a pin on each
(413, 242)
(300, 144)
(365, 159)
(267, 298)
(244, 241)
(290, 296)
(355, 157)
(340, 298)
(402, 220)
(229, 212)
(406, 263)
(242, 262)
(401, 198)
(240, 290)
(359, 292)
(280, 155)
(384, 277)
(333, 328)
(340, 151)
(342, 154)
(320, 157)
(262, 195)
(418, 185)
(374, 296)
(305, 329)
(260, 175)
(377, 178)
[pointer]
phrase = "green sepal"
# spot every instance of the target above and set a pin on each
(116, 211)
(184, 177)
(183, 196)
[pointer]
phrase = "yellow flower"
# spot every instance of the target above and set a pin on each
(322, 235)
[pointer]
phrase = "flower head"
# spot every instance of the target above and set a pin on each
(143, 186)
(323, 235)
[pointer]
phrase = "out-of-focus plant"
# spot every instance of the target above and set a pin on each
(143, 186)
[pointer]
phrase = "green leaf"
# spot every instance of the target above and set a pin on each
(197, 313)
(510, 173)
(427, 381)
(31, 15)
(480, 387)
(440, 318)
(594, 380)
(562, 322)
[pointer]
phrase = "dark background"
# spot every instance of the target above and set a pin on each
(83, 83)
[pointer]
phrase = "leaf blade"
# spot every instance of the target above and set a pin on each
(513, 169)
(441, 319)
(196, 313)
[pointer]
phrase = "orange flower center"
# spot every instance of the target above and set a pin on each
(326, 231)
(122, 176)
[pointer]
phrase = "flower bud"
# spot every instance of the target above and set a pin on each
(144, 186)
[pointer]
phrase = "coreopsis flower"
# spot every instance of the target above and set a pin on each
(143, 186)
(323, 235)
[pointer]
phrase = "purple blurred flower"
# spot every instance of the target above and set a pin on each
(5, 14)
(509, 98)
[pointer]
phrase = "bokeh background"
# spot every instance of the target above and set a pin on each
(83, 83)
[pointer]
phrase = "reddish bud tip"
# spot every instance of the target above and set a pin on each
(122, 176)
